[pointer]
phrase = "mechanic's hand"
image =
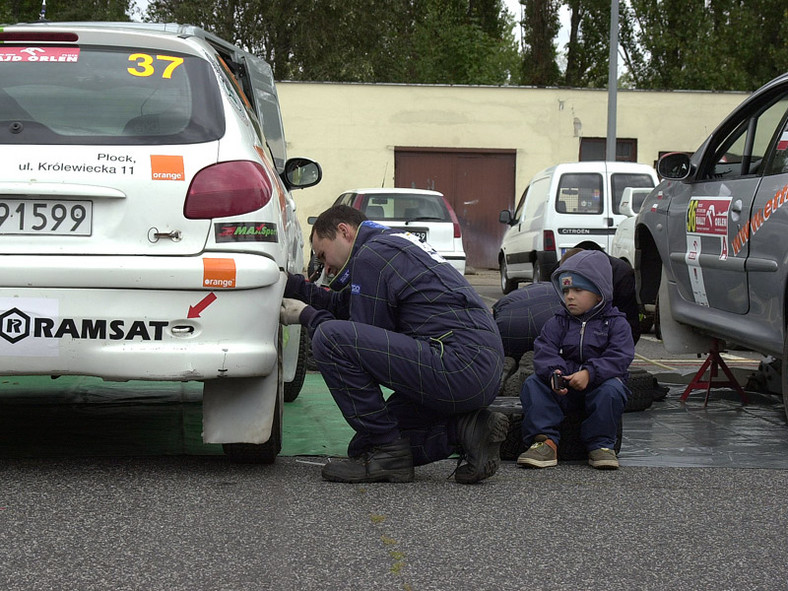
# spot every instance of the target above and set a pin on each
(290, 312)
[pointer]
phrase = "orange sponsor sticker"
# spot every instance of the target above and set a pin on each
(167, 168)
(218, 273)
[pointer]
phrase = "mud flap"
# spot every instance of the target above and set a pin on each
(239, 410)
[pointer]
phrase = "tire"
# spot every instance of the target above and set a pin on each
(570, 447)
(642, 386)
(293, 388)
(507, 285)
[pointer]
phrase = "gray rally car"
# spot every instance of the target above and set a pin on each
(712, 238)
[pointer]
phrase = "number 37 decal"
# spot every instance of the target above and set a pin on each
(145, 65)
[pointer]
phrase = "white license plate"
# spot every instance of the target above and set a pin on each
(44, 216)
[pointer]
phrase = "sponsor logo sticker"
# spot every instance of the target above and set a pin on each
(218, 273)
(39, 54)
(166, 168)
(246, 232)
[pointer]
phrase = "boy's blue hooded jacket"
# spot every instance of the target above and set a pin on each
(599, 341)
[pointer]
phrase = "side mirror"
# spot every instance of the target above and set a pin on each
(505, 217)
(675, 166)
(301, 173)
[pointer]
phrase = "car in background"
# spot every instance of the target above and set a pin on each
(623, 244)
(146, 221)
(711, 239)
(569, 205)
(425, 214)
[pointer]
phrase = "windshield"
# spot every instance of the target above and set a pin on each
(382, 207)
(90, 95)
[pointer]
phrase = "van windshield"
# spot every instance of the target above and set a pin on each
(102, 95)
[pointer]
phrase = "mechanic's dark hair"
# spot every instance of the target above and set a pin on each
(325, 225)
(569, 253)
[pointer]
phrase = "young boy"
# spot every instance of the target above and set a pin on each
(580, 359)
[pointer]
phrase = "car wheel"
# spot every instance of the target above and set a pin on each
(507, 285)
(293, 388)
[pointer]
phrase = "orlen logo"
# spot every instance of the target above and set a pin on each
(14, 325)
(166, 168)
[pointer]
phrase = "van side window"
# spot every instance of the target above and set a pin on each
(579, 193)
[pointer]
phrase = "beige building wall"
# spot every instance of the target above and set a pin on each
(353, 129)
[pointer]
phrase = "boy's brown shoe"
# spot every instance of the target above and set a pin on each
(542, 454)
(603, 459)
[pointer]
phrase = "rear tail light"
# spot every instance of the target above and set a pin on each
(38, 37)
(227, 189)
(549, 240)
(454, 220)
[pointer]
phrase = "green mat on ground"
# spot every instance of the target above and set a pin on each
(85, 416)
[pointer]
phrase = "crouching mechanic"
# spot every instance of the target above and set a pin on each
(398, 315)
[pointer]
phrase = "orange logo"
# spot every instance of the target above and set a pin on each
(167, 168)
(218, 273)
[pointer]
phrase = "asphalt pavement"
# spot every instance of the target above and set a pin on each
(699, 503)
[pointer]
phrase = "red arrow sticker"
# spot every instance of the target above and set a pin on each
(194, 311)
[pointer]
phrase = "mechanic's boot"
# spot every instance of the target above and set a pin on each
(480, 433)
(392, 462)
(543, 453)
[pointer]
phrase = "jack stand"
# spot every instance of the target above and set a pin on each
(712, 363)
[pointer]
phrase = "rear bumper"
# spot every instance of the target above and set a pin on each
(149, 318)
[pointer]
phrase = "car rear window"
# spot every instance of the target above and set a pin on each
(620, 181)
(102, 95)
(579, 193)
(405, 207)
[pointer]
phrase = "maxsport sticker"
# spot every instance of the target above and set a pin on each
(246, 232)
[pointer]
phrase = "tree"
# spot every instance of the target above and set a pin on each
(19, 11)
(540, 27)
(587, 53)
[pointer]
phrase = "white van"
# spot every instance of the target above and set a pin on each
(565, 206)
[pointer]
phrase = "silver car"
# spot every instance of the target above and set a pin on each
(711, 238)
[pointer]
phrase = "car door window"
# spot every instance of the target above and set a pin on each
(744, 151)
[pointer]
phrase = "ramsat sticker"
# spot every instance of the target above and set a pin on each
(218, 273)
(166, 168)
(39, 54)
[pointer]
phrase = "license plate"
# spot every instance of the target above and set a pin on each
(420, 234)
(66, 218)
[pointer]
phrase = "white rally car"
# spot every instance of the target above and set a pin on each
(146, 223)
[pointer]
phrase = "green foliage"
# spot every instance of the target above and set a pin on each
(20, 11)
(540, 27)
(408, 41)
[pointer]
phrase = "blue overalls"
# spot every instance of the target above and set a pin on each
(398, 315)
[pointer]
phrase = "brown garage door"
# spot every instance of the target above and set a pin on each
(477, 183)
